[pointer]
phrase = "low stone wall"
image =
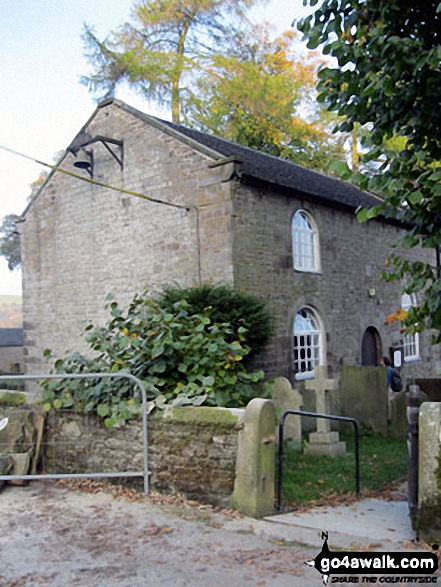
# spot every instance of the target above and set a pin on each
(194, 450)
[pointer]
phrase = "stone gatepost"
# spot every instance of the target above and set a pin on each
(254, 490)
(324, 442)
(428, 524)
(286, 398)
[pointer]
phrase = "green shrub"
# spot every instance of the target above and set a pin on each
(182, 357)
(221, 304)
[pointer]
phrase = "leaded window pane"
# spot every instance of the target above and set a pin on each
(307, 341)
(304, 242)
(410, 341)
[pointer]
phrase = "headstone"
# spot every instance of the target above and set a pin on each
(363, 396)
(286, 398)
(324, 442)
(398, 418)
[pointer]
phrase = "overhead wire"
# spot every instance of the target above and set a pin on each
(58, 169)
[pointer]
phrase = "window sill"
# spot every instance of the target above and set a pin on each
(313, 271)
(413, 359)
(304, 376)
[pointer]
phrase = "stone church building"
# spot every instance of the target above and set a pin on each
(217, 212)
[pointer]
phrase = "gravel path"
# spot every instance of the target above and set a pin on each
(62, 537)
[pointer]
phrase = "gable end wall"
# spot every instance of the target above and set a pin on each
(81, 242)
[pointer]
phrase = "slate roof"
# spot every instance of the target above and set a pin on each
(11, 337)
(277, 173)
(257, 167)
(284, 174)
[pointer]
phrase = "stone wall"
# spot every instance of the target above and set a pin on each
(191, 450)
(222, 456)
(346, 293)
(81, 242)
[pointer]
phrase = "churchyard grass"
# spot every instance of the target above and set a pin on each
(317, 480)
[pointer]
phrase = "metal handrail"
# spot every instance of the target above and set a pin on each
(118, 374)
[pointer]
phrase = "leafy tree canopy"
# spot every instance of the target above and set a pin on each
(219, 74)
(260, 95)
(10, 241)
(163, 47)
(387, 77)
(224, 304)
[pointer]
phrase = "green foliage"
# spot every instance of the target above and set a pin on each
(182, 357)
(164, 47)
(257, 95)
(388, 78)
(226, 305)
(10, 241)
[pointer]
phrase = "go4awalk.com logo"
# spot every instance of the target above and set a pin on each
(332, 564)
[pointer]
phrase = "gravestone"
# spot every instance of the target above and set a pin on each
(363, 396)
(398, 417)
(286, 398)
(324, 442)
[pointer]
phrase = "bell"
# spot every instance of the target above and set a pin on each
(83, 160)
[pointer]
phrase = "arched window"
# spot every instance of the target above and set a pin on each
(305, 242)
(411, 342)
(308, 342)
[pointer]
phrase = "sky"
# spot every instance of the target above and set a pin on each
(42, 103)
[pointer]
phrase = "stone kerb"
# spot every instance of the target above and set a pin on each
(429, 472)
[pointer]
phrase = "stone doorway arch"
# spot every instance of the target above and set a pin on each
(371, 348)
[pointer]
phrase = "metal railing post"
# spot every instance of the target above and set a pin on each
(326, 417)
(138, 383)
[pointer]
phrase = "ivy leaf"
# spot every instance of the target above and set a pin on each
(208, 381)
(103, 410)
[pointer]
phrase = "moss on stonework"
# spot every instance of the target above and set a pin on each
(12, 398)
(428, 519)
(202, 415)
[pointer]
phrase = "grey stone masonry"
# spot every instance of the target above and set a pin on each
(346, 292)
(81, 242)
(190, 450)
